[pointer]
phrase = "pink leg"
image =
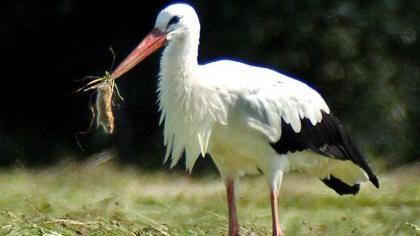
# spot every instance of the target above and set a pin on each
(233, 219)
(275, 213)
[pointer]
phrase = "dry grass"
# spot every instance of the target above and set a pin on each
(106, 199)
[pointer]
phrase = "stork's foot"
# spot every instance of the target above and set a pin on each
(234, 230)
(277, 233)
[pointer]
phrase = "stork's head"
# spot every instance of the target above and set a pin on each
(175, 22)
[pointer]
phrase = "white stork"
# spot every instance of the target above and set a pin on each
(249, 119)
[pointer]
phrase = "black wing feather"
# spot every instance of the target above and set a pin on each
(326, 138)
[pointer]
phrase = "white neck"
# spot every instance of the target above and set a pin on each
(188, 109)
(178, 100)
(179, 59)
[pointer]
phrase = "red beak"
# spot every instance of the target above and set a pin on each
(152, 42)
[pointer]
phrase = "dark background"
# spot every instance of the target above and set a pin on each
(362, 56)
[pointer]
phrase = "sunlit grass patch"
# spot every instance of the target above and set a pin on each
(108, 199)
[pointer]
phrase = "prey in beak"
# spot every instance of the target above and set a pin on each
(152, 42)
(104, 86)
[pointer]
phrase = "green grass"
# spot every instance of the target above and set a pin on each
(107, 199)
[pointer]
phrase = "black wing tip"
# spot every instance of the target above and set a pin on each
(374, 180)
(340, 187)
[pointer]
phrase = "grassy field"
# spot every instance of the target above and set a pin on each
(97, 198)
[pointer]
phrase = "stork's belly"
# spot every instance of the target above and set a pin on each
(238, 150)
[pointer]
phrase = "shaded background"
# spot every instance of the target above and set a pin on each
(362, 56)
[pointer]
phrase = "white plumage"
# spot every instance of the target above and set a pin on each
(232, 95)
(247, 118)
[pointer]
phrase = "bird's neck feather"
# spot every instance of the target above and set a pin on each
(179, 59)
(179, 67)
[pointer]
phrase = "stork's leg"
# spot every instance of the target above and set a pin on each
(233, 218)
(275, 213)
(275, 179)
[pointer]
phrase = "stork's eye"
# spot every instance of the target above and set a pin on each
(173, 20)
